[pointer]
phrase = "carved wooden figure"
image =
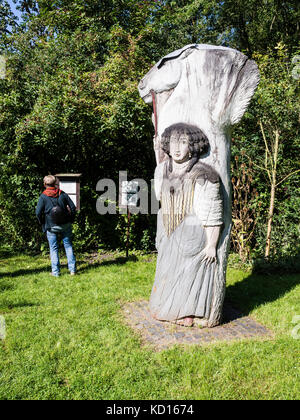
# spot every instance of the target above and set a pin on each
(198, 93)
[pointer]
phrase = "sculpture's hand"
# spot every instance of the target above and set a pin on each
(210, 251)
(210, 254)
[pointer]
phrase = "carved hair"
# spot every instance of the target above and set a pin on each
(198, 142)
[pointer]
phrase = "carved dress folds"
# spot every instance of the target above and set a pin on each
(183, 283)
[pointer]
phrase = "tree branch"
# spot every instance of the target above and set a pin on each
(292, 173)
(272, 23)
(261, 167)
(266, 144)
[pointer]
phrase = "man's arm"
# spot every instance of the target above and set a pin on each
(40, 210)
(71, 206)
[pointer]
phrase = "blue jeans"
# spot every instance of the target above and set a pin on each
(53, 244)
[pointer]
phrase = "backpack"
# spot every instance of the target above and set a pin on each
(58, 215)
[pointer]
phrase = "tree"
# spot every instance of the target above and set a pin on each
(270, 139)
(69, 98)
(7, 20)
(258, 25)
(245, 205)
(278, 118)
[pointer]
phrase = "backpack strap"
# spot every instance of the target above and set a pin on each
(49, 198)
(61, 201)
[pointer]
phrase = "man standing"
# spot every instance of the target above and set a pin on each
(56, 212)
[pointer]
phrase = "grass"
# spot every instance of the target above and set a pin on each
(66, 338)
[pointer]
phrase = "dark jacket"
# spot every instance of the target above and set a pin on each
(45, 205)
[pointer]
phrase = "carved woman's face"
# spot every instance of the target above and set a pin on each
(179, 148)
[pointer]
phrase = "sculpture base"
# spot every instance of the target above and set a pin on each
(162, 335)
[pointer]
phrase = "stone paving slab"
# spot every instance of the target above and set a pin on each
(162, 335)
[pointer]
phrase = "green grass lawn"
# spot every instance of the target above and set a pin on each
(66, 338)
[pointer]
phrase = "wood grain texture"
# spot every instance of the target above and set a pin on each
(210, 87)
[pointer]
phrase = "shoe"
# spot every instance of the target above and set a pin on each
(54, 275)
(73, 274)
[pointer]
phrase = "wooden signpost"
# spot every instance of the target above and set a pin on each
(70, 184)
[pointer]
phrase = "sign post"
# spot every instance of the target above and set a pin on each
(129, 198)
(70, 184)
